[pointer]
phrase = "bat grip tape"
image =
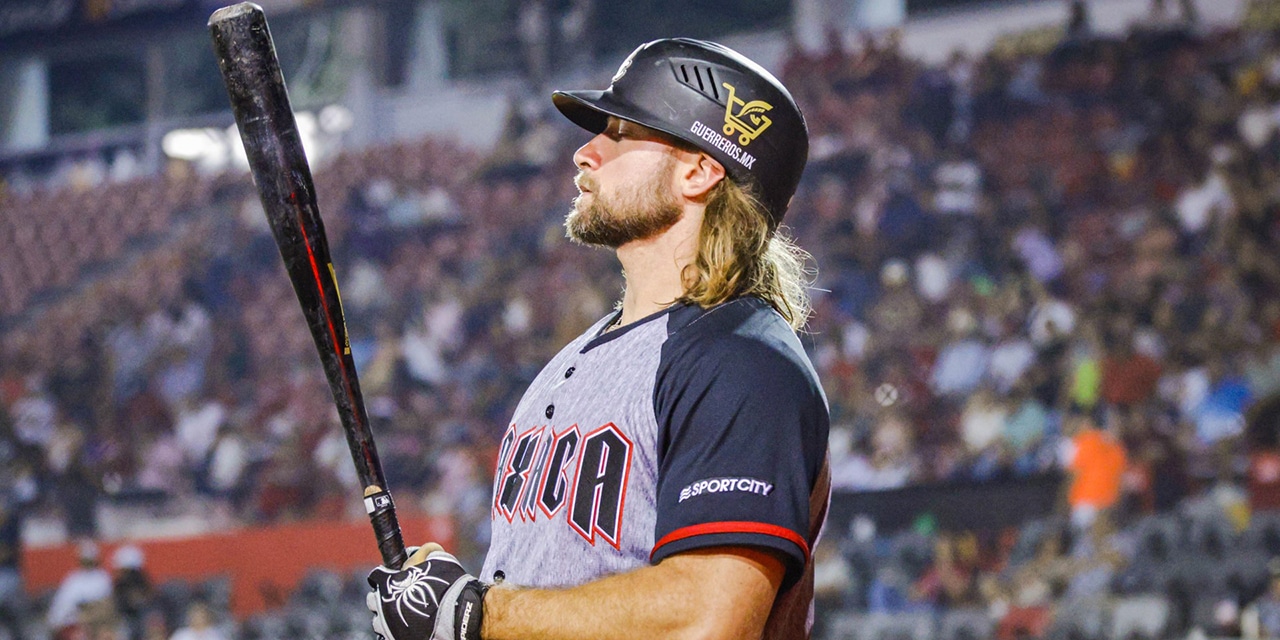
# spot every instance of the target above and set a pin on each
(386, 528)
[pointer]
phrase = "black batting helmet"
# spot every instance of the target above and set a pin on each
(715, 99)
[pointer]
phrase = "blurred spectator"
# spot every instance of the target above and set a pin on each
(981, 428)
(889, 591)
(1264, 479)
(1097, 461)
(1078, 22)
(1096, 558)
(12, 598)
(132, 590)
(949, 579)
(832, 580)
(1221, 414)
(200, 625)
(1128, 377)
(962, 363)
(1261, 619)
(1025, 430)
(84, 587)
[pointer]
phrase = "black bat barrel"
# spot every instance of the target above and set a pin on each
(260, 102)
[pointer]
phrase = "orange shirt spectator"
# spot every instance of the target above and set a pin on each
(1097, 462)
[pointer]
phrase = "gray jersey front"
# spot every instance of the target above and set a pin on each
(554, 522)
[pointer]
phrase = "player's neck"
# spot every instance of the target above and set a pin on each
(653, 266)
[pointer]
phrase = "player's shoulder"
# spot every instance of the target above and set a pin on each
(744, 331)
(743, 318)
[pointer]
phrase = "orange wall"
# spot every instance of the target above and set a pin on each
(270, 558)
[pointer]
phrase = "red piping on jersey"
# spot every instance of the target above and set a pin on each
(733, 527)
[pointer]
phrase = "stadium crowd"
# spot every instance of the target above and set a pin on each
(1034, 260)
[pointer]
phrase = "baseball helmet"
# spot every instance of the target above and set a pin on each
(713, 98)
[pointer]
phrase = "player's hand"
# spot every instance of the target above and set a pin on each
(430, 598)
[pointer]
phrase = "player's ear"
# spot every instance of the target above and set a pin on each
(698, 173)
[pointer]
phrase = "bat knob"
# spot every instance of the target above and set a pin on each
(234, 11)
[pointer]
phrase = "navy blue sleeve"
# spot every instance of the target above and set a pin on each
(744, 434)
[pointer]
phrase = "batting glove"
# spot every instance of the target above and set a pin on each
(431, 598)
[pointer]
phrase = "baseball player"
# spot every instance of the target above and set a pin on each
(665, 475)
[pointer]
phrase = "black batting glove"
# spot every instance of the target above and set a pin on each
(431, 598)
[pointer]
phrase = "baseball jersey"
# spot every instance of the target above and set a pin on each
(687, 429)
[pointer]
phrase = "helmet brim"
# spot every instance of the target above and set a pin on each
(590, 109)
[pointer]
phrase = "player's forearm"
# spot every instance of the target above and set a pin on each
(694, 598)
(601, 610)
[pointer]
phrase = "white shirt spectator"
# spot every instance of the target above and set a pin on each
(518, 316)
(333, 454)
(130, 347)
(1150, 343)
(162, 465)
(856, 473)
(33, 416)
(83, 586)
(422, 356)
(66, 443)
(191, 330)
(1256, 124)
(933, 277)
(982, 423)
(855, 338)
(1038, 253)
(1190, 389)
(228, 462)
(1010, 359)
(959, 184)
(1049, 319)
(365, 287)
(197, 427)
(1197, 205)
(847, 468)
(960, 368)
(199, 626)
(187, 633)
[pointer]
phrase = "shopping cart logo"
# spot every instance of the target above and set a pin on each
(750, 120)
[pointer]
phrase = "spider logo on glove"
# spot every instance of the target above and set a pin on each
(412, 592)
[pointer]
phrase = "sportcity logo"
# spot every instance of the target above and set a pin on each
(724, 485)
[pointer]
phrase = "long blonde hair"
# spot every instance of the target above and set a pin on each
(739, 254)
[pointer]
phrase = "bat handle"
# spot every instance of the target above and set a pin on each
(386, 528)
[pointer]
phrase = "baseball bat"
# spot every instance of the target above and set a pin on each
(260, 102)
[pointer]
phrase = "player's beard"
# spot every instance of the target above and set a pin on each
(640, 209)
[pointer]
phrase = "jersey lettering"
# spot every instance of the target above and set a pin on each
(540, 470)
(600, 485)
(504, 452)
(516, 473)
(529, 493)
(555, 477)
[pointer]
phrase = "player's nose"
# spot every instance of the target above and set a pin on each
(588, 155)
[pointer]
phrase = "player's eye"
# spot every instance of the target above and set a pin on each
(614, 130)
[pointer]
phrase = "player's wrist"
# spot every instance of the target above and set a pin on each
(468, 616)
